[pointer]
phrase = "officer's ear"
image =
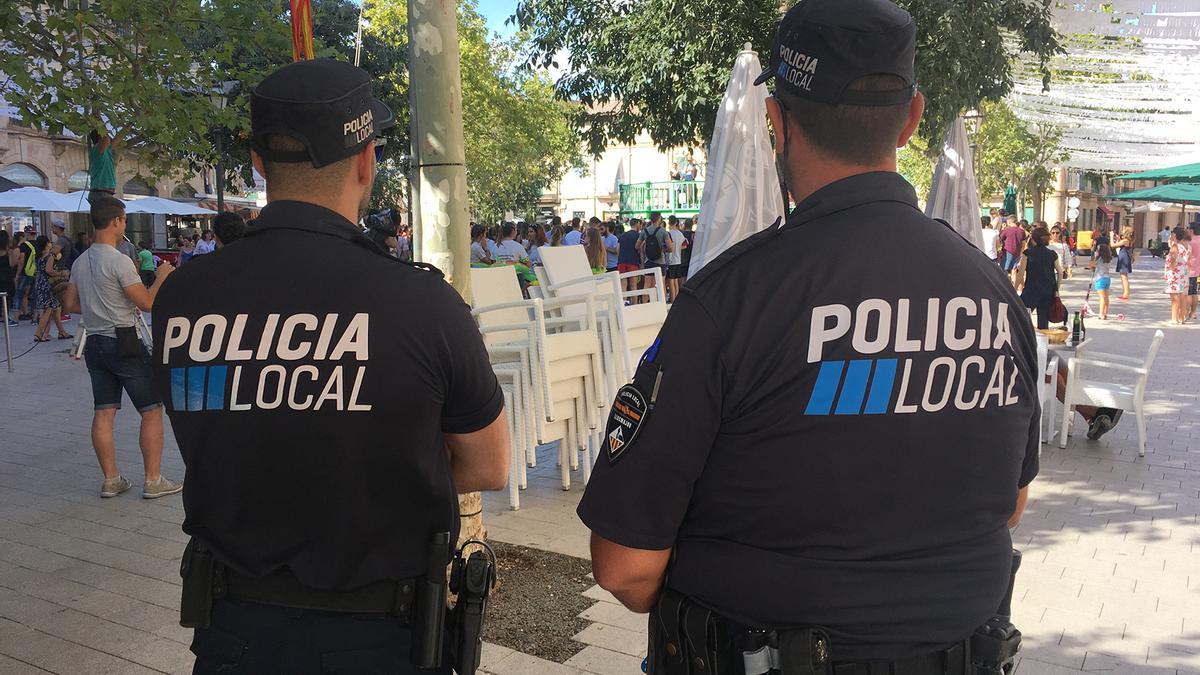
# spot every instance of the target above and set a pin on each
(364, 165)
(258, 163)
(916, 108)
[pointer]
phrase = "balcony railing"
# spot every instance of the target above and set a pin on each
(680, 197)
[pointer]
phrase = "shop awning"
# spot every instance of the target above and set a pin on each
(1175, 193)
(1190, 172)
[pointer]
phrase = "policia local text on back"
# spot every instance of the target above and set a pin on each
(326, 426)
(817, 463)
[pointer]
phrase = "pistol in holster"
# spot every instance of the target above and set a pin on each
(995, 644)
(472, 579)
(203, 580)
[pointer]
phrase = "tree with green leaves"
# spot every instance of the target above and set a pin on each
(662, 65)
(142, 69)
(1010, 151)
(519, 137)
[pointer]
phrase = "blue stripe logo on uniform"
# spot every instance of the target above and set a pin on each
(199, 388)
(858, 387)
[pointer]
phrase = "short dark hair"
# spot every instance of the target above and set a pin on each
(986, 221)
(143, 245)
(105, 210)
(301, 177)
(655, 217)
(854, 134)
(1040, 236)
(228, 227)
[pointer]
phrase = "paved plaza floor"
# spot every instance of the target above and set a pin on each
(1111, 542)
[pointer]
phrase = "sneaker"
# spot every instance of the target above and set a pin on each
(1100, 425)
(160, 488)
(114, 486)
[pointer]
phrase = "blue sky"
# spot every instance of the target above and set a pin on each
(496, 11)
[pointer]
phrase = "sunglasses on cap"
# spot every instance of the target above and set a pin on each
(380, 148)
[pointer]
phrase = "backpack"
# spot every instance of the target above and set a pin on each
(653, 248)
(31, 262)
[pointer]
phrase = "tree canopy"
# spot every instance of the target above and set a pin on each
(662, 65)
(1010, 151)
(145, 68)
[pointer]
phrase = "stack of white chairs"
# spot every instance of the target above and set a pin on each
(555, 363)
(629, 329)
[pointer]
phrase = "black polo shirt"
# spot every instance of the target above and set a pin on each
(310, 380)
(845, 410)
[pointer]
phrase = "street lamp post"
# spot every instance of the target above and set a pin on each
(220, 98)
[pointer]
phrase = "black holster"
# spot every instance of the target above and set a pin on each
(472, 580)
(201, 583)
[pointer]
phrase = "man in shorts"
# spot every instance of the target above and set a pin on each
(106, 289)
(628, 258)
(675, 269)
(1012, 235)
(654, 230)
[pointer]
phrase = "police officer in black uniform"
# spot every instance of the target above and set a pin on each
(329, 402)
(837, 425)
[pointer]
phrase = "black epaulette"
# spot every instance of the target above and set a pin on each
(736, 251)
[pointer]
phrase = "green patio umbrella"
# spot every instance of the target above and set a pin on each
(1188, 172)
(1176, 193)
(1010, 199)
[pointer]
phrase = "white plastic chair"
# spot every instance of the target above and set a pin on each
(1047, 388)
(1085, 386)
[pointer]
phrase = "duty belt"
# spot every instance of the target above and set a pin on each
(206, 580)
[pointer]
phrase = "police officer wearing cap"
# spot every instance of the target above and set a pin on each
(329, 402)
(817, 464)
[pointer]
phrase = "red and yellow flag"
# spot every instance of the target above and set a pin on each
(302, 34)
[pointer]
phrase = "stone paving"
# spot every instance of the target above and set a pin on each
(1110, 582)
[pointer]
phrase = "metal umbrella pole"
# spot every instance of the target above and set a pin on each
(7, 336)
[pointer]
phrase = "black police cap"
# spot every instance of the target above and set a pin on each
(822, 46)
(325, 104)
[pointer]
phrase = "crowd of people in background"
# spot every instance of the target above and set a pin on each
(613, 246)
(1037, 257)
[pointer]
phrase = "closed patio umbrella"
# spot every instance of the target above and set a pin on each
(954, 196)
(742, 194)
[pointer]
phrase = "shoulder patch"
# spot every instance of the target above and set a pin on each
(625, 421)
(736, 251)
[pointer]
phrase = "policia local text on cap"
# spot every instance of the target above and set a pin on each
(326, 427)
(831, 491)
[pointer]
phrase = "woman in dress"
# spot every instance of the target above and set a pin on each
(187, 249)
(43, 299)
(1124, 246)
(1037, 275)
(1175, 272)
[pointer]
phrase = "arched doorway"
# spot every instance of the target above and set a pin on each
(184, 190)
(138, 186)
(24, 174)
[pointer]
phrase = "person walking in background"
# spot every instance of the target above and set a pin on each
(654, 245)
(629, 258)
(146, 264)
(206, 244)
(1194, 271)
(675, 270)
(1102, 264)
(227, 228)
(557, 234)
(537, 239)
(991, 239)
(612, 247)
(1012, 237)
(479, 252)
(1058, 244)
(82, 241)
(508, 250)
(8, 272)
(573, 237)
(1037, 276)
(186, 249)
(594, 246)
(1124, 246)
(1175, 272)
(106, 288)
(1164, 241)
(45, 303)
(26, 273)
